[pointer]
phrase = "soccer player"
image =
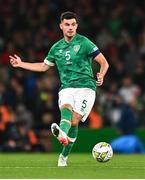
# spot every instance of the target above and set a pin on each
(73, 56)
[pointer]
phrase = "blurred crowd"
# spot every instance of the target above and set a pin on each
(28, 100)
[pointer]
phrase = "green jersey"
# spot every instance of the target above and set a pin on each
(74, 62)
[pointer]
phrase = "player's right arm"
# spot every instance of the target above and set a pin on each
(38, 67)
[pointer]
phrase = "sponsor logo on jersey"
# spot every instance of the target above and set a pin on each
(60, 51)
(76, 48)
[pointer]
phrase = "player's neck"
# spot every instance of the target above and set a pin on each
(68, 39)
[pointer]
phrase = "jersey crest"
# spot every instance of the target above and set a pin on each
(76, 48)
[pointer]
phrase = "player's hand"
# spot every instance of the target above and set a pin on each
(100, 79)
(15, 61)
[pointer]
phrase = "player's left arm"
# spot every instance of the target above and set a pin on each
(103, 68)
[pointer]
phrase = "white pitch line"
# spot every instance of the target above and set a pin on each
(17, 167)
(27, 167)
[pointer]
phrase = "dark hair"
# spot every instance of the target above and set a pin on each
(68, 15)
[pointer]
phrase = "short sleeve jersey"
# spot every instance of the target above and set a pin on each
(74, 62)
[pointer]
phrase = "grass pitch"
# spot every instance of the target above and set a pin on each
(80, 166)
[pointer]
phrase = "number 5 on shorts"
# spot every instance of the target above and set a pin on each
(84, 104)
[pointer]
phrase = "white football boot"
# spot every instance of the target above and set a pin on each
(62, 161)
(59, 134)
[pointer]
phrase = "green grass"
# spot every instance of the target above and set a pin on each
(80, 166)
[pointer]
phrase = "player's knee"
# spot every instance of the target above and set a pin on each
(68, 106)
(74, 122)
(76, 118)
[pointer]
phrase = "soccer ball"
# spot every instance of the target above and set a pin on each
(102, 152)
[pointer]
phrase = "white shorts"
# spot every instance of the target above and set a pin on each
(81, 100)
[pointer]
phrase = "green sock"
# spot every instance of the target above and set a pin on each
(73, 133)
(65, 122)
